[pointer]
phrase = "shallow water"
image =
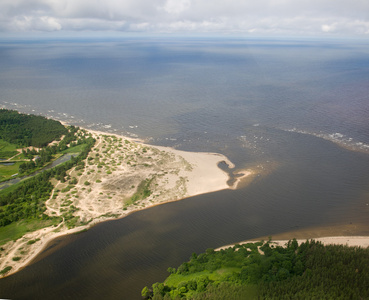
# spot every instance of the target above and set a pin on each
(269, 105)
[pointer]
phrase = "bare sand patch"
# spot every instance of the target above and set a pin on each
(121, 175)
(351, 241)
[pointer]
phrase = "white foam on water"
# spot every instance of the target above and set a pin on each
(338, 138)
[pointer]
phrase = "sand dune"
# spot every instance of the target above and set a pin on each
(114, 172)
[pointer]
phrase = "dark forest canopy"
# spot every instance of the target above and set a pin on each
(29, 130)
(264, 271)
(25, 200)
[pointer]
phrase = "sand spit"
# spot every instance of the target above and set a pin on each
(351, 241)
(108, 186)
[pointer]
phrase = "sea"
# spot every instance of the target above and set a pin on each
(296, 110)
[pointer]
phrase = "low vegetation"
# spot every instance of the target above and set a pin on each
(17, 229)
(262, 271)
(9, 170)
(7, 150)
(23, 203)
(143, 191)
(5, 270)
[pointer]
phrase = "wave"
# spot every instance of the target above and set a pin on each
(337, 138)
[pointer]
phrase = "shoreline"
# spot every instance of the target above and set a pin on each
(188, 176)
(177, 174)
(351, 241)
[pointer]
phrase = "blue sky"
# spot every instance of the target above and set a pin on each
(226, 17)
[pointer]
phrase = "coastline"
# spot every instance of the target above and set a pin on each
(351, 241)
(176, 175)
(173, 174)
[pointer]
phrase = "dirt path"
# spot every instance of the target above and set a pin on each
(119, 176)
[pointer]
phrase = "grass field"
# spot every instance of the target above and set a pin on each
(6, 171)
(7, 150)
(16, 230)
(75, 149)
(20, 156)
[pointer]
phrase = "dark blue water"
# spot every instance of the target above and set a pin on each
(297, 109)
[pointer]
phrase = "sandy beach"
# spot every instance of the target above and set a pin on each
(103, 189)
(351, 241)
(113, 173)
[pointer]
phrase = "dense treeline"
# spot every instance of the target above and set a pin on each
(29, 130)
(330, 272)
(26, 200)
(46, 154)
(262, 271)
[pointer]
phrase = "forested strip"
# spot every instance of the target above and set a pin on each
(308, 271)
(26, 199)
(46, 154)
(29, 130)
(330, 272)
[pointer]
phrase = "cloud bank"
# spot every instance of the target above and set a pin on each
(283, 17)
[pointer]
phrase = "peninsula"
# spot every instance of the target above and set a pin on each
(119, 176)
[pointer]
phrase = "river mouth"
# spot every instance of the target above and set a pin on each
(264, 104)
(136, 251)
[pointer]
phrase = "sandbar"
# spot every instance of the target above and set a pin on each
(114, 169)
(351, 241)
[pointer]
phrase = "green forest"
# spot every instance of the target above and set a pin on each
(28, 130)
(25, 200)
(262, 270)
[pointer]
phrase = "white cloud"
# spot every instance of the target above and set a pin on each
(30, 23)
(306, 17)
(176, 6)
(329, 28)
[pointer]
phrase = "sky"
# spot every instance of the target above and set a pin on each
(223, 17)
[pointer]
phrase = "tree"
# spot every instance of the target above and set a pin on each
(73, 180)
(183, 268)
(293, 244)
(298, 268)
(158, 288)
(145, 293)
(202, 283)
